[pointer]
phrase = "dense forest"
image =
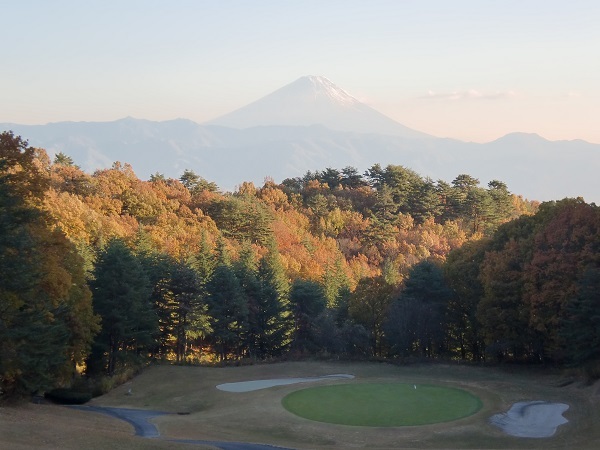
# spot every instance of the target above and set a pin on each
(103, 272)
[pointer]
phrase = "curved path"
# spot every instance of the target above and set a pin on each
(139, 418)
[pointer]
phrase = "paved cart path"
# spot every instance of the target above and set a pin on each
(140, 419)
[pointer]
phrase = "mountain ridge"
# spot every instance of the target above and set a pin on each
(528, 163)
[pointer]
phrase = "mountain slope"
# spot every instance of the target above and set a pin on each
(314, 100)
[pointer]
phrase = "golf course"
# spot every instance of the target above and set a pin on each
(372, 406)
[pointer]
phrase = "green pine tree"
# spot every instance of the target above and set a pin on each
(121, 294)
(246, 269)
(272, 314)
(227, 307)
(307, 302)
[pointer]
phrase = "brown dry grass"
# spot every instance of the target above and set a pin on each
(46, 426)
(259, 417)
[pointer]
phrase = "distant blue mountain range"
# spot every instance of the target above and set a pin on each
(327, 128)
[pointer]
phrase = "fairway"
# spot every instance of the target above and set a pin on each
(382, 404)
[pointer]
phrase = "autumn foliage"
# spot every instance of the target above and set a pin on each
(386, 264)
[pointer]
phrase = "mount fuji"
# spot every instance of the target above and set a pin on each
(312, 124)
(314, 100)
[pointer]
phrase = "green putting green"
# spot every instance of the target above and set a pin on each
(382, 404)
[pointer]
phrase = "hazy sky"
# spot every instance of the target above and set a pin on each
(472, 70)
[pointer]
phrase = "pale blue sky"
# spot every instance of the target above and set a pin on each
(472, 70)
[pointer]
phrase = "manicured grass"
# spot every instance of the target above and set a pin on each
(382, 404)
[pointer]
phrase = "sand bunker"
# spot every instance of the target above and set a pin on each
(536, 419)
(247, 386)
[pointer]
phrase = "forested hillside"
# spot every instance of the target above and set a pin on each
(102, 272)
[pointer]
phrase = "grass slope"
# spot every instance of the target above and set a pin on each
(382, 404)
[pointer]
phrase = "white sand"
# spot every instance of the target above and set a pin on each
(536, 419)
(247, 386)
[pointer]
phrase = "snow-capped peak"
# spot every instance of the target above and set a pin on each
(323, 86)
(313, 100)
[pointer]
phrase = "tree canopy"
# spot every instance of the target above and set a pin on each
(111, 271)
